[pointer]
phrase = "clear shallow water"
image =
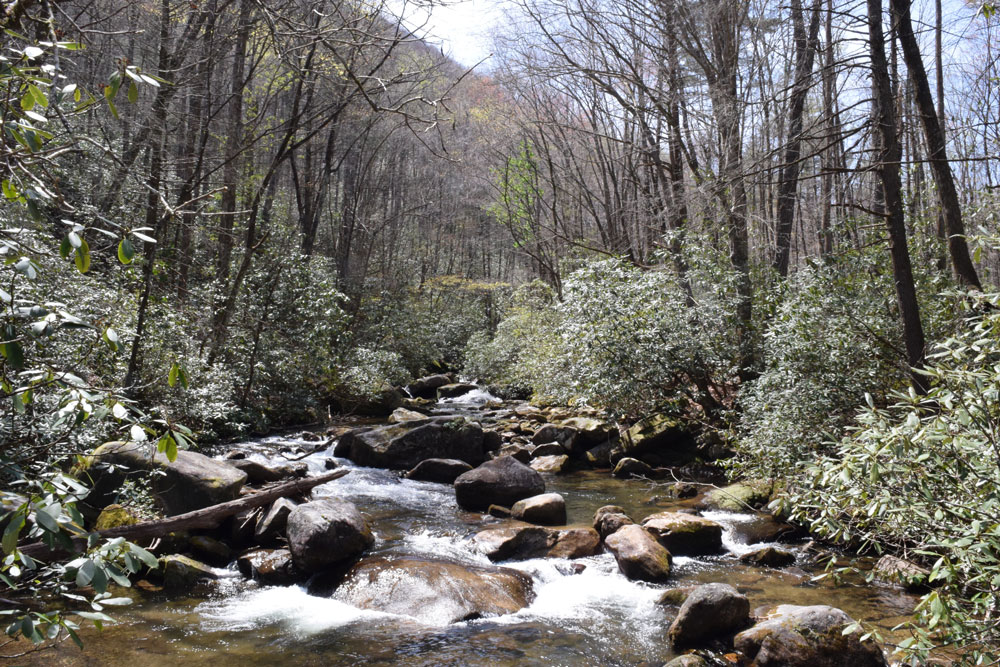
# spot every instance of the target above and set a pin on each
(596, 617)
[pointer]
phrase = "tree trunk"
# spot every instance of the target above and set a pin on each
(951, 208)
(887, 167)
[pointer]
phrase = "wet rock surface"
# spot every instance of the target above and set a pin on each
(502, 481)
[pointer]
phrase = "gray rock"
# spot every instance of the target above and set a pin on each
(893, 570)
(553, 465)
(402, 446)
(426, 387)
(455, 389)
(600, 456)
(259, 473)
(629, 467)
(608, 519)
(190, 482)
(564, 435)
(591, 432)
(520, 542)
(271, 524)
(657, 440)
(548, 449)
(520, 452)
(444, 471)
(547, 509)
(685, 534)
(639, 556)
(739, 497)
(181, 572)
(793, 636)
(502, 481)
(326, 532)
(402, 415)
(210, 550)
(712, 611)
(687, 661)
(436, 591)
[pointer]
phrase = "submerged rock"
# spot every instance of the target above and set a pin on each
(639, 556)
(435, 591)
(520, 542)
(769, 557)
(547, 509)
(685, 534)
(709, 612)
(793, 636)
(444, 471)
(403, 446)
(502, 481)
(326, 532)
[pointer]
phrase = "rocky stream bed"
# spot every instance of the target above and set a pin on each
(427, 573)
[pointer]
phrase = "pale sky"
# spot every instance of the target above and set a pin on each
(461, 27)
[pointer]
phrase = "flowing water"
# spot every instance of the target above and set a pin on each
(596, 617)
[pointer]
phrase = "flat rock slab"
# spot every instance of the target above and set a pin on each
(685, 534)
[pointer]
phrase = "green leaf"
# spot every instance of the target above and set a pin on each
(14, 354)
(82, 259)
(65, 248)
(40, 97)
(12, 532)
(172, 376)
(85, 573)
(126, 251)
(133, 92)
(111, 338)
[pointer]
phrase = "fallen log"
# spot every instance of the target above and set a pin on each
(205, 518)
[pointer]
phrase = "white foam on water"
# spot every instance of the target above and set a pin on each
(730, 519)
(290, 607)
(474, 397)
(442, 545)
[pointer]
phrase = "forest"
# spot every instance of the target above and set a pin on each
(772, 224)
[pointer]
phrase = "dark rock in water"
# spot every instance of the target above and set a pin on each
(657, 440)
(629, 467)
(435, 591)
(502, 481)
(794, 636)
(426, 387)
(684, 534)
(600, 456)
(210, 549)
(444, 471)
(271, 524)
(901, 572)
(181, 572)
(273, 567)
(639, 556)
(548, 449)
(520, 452)
(675, 597)
(563, 435)
(608, 519)
(521, 542)
(684, 490)
(241, 527)
(492, 441)
(547, 509)
(326, 532)
(553, 465)
(329, 464)
(764, 528)
(190, 482)
(591, 432)
(234, 454)
(712, 611)
(454, 390)
(499, 511)
(403, 447)
(769, 557)
(740, 497)
(258, 473)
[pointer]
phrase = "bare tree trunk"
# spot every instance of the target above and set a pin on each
(887, 168)
(951, 208)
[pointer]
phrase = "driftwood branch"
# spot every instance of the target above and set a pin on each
(205, 518)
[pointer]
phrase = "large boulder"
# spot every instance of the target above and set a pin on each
(190, 482)
(793, 636)
(455, 390)
(406, 416)
(769, 557)
(608, 519)
(426, 387)
(271, 524)
(181, 572)
(402, 446)
(739, 497)
(685, 534)
(326, 532)
(712, 611)
(639, 556)
(657, 440)
(502, 481)
(548, 449)
(444, 471)
(591, 432)
(547, 509)
(520, 542)
(629, 467)
(260, 473)
(764, 528)
(563, 435)
(435, 591)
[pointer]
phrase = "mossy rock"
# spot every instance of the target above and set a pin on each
(740, 497)
(115, 516)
